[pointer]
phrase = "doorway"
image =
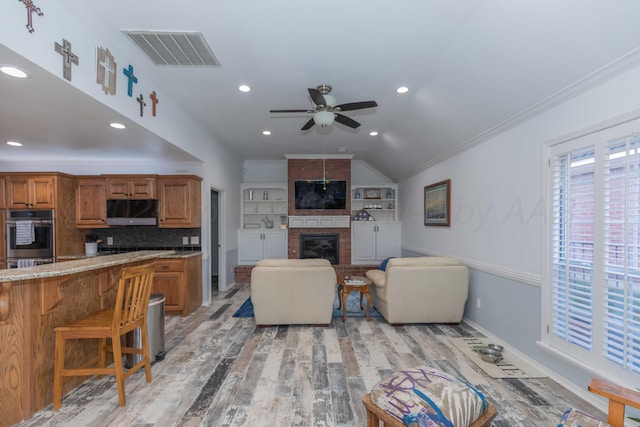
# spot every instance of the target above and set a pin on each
(215, 240)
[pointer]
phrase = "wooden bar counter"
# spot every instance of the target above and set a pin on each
(33, 301)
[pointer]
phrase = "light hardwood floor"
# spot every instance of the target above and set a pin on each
(224, 371)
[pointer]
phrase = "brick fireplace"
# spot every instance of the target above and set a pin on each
(312, 169)
(315, 169)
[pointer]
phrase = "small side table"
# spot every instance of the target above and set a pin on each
(346, 285)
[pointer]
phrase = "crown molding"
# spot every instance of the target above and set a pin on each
(318, 156)
(613, 69)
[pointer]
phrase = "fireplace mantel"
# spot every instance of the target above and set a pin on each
(320, 221)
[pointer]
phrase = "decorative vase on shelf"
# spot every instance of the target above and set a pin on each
(268, 223)
(357, 195)
(389, 195)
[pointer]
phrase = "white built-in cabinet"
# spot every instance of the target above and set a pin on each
(254, 245)
(263, 210)
(373, 241)
(377, 235)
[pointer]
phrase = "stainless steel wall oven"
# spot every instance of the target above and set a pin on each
(30, 237)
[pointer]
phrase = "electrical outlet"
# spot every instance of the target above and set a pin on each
(195, 240)
(185, 240)
(109, 240)
(478, 304)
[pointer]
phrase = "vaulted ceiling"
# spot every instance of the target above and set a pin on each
(473, 68)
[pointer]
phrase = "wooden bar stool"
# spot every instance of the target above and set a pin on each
(130, 312)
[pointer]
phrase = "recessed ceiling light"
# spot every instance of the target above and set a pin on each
(14, 143)
(402, 89)
(13, 72)
(244, 88)
(373, 133)
(266, 132)
(117, 125)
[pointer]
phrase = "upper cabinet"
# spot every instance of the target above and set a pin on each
(263, 205)
(178, 198)
(30, 192)
(380, 201)
(131, 187)
(91, 203)
(179, 201)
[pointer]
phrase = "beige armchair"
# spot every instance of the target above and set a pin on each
(420, 290)
(293, 291)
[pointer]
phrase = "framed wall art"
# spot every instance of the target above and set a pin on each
(437, 203)
(371, 193)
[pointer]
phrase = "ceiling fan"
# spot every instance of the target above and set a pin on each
(326, 110)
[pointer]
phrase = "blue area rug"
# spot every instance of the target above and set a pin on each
(353, 307)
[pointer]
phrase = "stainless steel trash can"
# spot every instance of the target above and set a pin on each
(155, 330)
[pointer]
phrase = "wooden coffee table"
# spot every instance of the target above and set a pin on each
(348, 284)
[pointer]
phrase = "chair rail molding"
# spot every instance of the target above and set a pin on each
(507, 273)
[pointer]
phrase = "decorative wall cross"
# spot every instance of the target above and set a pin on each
(154, 101)
(140, 100)
(106, 71)
(68, 58)
(30, 9)
(132, 79)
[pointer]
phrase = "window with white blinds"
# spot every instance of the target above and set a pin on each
(573, 225)
(621, 266)
(594, 266)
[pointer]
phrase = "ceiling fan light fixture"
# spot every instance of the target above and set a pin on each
(323, 118)
(330, 100)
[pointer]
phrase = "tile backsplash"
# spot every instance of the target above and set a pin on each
(145, 237)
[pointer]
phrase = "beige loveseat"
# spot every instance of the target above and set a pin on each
(293, 291)
(420, 290)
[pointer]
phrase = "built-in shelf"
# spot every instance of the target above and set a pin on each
(380, 201)
(263, 205)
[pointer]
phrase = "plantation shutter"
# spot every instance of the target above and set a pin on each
(572, 247)
(621, 299)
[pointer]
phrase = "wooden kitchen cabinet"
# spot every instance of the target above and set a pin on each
(30, 192)
(91, 203)
(180, 281)
(2, 193)
(179, 201)
(3, 239)
(131, 187)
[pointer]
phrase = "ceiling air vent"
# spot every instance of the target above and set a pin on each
(170, 48)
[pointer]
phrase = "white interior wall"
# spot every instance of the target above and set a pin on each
(275, 171)
(498, 219)
(220, 167)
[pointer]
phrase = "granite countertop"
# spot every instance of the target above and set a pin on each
(80, 265)
(173, 254)
(183, 254)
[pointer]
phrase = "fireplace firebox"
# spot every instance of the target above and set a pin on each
(320, 246)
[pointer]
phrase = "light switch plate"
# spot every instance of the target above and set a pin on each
(195, 240)
(109, 240)
(185, 240)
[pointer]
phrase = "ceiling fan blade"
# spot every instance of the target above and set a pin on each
(317, 97)
(308, 124)
(291, 111)
(346, 121)
(356, 105)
